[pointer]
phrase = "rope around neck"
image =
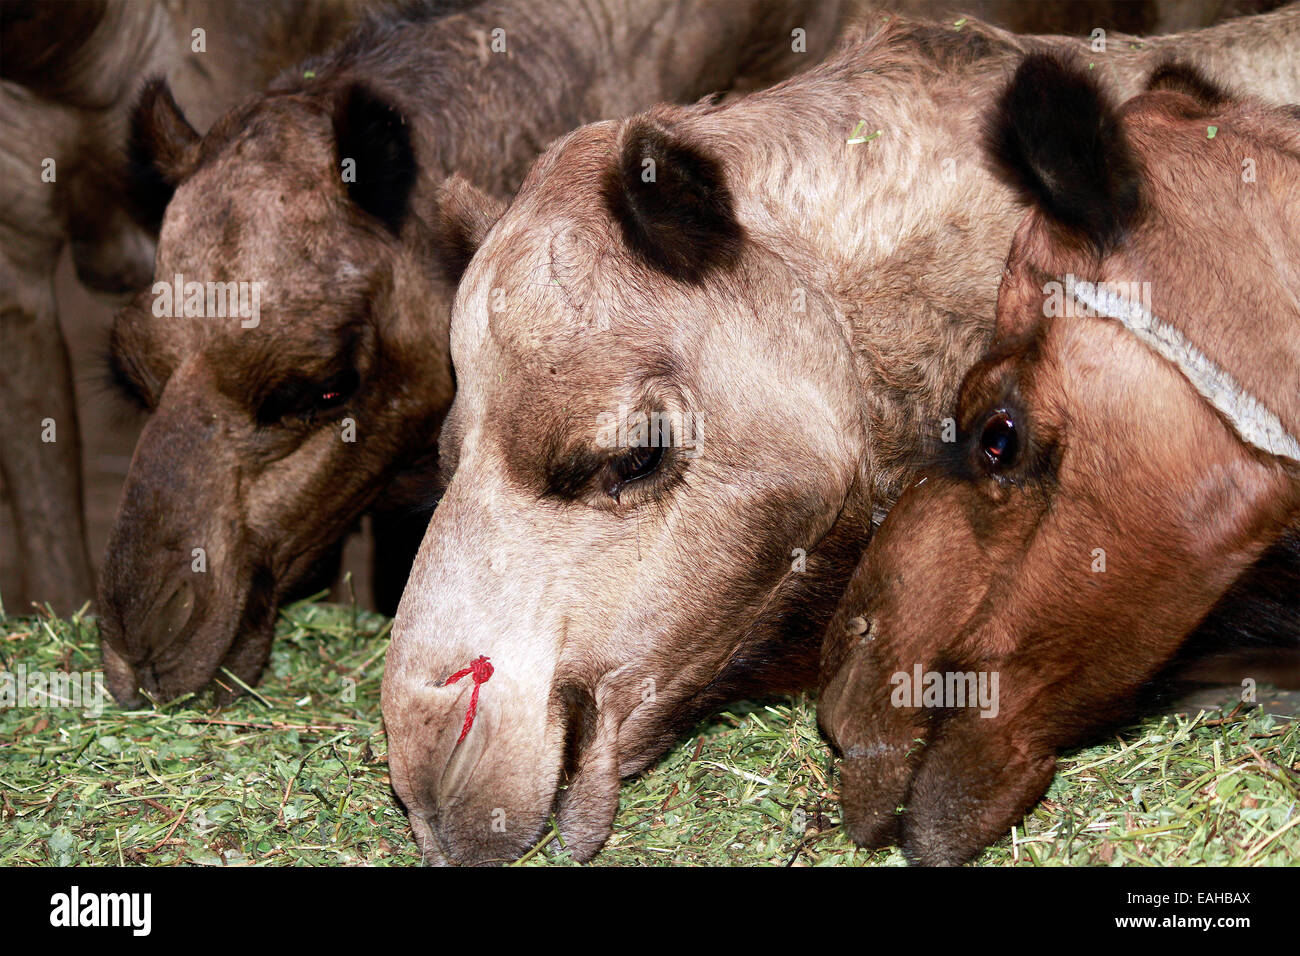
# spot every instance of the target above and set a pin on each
(1253, 421)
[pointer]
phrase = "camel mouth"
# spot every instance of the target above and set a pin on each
(442, 841)
(122, 678)
(568, 807)
(425, 828)
(136, 682)
(137, 673)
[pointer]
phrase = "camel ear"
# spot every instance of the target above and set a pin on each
(162, 150)
(672, 204)
(374, 135)
(464, 215)
(1186, 79)
(1055, 138)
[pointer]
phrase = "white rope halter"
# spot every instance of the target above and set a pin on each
(1252, 419)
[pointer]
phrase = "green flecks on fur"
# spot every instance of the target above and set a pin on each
(857, 136)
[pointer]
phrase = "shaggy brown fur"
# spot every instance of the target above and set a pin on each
(818, 341)
(1095, 508)
(69, 73)
(247, 453)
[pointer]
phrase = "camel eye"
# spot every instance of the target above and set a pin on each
(999, 442)
(300, 400)
(337, 390)
(635, 465)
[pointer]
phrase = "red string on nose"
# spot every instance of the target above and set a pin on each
(482, 669)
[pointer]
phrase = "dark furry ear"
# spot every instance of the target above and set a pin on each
(373, 134)
(671, 201)
(1185, 78)
(162, 149)
(464, 215)
(1055, 138)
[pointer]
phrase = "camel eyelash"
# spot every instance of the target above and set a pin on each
(635, 471)
(643, 464)
(305, 400)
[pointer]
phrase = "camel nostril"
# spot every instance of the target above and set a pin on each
(481, 671)
(863, 628)
(171, 617)
(471, 723)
